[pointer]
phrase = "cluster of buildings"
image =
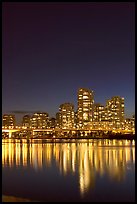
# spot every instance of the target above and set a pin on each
(89, 115)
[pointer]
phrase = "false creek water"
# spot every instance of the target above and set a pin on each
(92, 170)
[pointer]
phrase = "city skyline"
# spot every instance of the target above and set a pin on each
(52, 49)
(87, 111)
(19, 114)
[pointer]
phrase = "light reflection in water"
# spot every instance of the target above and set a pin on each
(88, 159)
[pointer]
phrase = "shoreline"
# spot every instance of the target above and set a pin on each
(65, 139)
(6, 198)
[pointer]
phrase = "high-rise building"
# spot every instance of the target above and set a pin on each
(67, 115)
(85, 103)
(8, 120)
(51, 123)
(129, 124)
(75, 119)
(39, 120)
(98, 112)
(115, 111)
(26, 121)
(58, 120)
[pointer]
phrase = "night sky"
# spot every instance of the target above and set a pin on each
(49, 50)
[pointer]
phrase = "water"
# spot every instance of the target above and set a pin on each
(75, 171)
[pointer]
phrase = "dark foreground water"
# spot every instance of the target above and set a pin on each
(76, 171)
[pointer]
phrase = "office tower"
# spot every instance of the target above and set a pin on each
(129, 124)
(76, 119)
(8, 120)
(26, 121)
(39, 120)
(51, 123)
(67, 115)
(58, 120)
(115, 111)
(85, 103)
(98, 112)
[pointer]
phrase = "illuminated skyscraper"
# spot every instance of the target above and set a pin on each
(129, 124)
(51, 123)
(8, 120)
(39, 120)
(115, 110)
(85, 103)
(98, 112)
(67, 115)
(58, 120)
(26, 121)
(75, 119)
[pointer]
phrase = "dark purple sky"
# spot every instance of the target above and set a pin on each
(49, 50)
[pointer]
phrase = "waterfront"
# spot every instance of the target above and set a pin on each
(80, 170)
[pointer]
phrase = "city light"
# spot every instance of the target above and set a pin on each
(89, 117)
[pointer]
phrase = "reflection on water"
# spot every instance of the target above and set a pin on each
(87, 159)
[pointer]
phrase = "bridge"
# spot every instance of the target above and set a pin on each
(10, 131)
(33, 131)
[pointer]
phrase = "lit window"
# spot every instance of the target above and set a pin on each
(85, 97)
(85, 116)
